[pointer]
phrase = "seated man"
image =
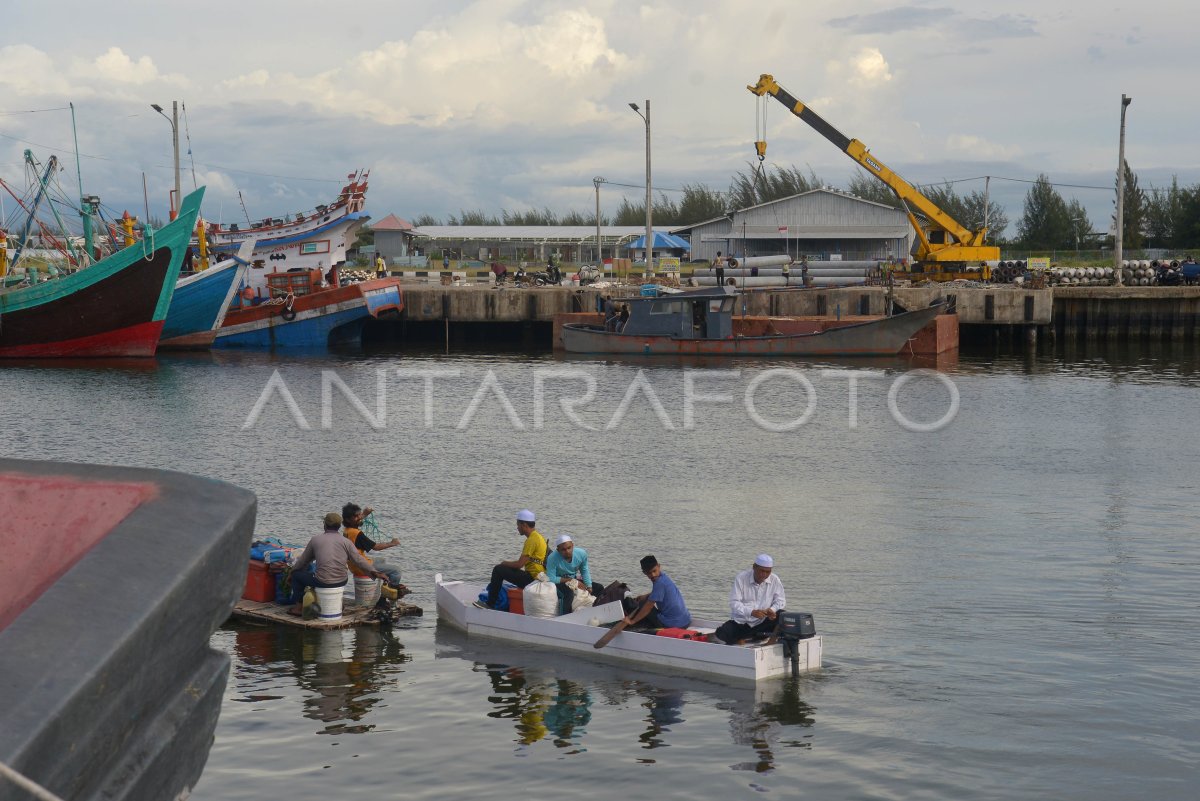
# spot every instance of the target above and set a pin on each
(352, 517)
(332, 552)
(663, 606)
(526, 567)
(755, 602)
(565, 563)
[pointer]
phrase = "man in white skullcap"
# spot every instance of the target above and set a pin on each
(526, 567)
(755, 602)
(567, 562)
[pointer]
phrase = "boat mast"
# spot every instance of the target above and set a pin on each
(37, 201)
(88, 204)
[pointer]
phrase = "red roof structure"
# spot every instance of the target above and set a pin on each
(392, 223)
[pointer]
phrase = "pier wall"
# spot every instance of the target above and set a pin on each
(1077, 312)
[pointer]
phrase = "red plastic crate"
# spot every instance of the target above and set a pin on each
(260, 584)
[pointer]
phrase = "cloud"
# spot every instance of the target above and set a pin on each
(870, 68)
(893, 20)
(910, 18)
(18, 63)
(1005, 26)
(476, 68)
(114, 65)
(979, 148)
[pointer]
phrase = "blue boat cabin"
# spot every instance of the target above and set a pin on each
(699, 314)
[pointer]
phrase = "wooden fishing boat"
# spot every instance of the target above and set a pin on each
(302, 314)
(700, 322)
(579, 631)
(201, 301)
(110, 687)
(114, 307)
(311, 240)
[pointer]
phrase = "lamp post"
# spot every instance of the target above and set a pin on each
(599, 248)
(174, 121)
(1118, 255)
(649, 194)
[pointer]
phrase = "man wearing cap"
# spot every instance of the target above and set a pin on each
(526, 567)
(332, 552)
(568, 562)
(663, 606)
(755, 601)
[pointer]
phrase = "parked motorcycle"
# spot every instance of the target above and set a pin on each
(551, 276)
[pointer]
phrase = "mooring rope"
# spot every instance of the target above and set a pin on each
(28, 785)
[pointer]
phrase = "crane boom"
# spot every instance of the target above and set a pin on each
(948, 242)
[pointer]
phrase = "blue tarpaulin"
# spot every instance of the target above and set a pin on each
(661, 242)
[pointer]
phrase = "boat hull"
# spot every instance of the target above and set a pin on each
(114, 307)
(199, 305)
(333, 316)
(111, 688)
(573, 632)
(883, 337)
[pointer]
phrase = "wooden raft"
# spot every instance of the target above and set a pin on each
(268, 612)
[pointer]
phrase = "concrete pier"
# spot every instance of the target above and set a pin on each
(998, 312)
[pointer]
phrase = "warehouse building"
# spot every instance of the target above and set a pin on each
(819, 224)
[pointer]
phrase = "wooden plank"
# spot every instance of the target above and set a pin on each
(267, 612)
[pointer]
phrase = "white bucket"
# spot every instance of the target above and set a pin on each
(366, 591)
(330, 601)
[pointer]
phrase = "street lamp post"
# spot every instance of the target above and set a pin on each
(1118, 255)
(649, 193)
(174, 120)
(599, 248)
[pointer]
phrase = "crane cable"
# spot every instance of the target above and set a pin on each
(760, 143)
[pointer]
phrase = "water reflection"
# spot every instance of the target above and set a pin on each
(552, 696)
(539, 704)
(342, 671)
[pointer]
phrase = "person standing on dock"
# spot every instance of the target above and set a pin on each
(526, 567)
(787, 274)
(718, 266)
(380, 266)
(755, 603)
(331, 551)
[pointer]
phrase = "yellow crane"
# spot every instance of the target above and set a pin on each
(948, 248)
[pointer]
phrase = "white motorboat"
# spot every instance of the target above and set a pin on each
(579, 631)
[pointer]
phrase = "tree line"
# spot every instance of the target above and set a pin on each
(1168, 217)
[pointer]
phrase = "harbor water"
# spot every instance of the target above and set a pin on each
(1002, 563)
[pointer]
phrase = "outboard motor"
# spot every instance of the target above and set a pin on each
(794, 627)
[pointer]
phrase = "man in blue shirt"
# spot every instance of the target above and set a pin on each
(663, 606)
(565, 563)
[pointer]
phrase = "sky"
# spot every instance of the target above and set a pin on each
(517, 105)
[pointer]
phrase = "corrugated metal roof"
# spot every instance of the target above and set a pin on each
(531, 233)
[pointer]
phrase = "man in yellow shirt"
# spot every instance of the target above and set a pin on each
(525, 568)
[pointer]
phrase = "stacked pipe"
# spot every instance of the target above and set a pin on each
(765, 271)
(1009, 272)
(1167, 272)
(1080, 276)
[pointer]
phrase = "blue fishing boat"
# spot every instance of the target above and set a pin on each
(303, 314)
(200, 301)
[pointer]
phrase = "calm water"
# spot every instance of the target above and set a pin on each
(1008, 603)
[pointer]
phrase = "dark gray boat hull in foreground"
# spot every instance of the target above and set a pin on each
(108, 686)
